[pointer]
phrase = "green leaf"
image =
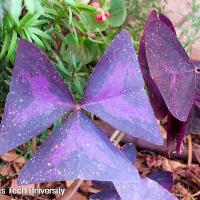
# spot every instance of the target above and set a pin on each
(5, 46)
(16, 8)
(37, 40)
(12, 47)
(84, 51)
(84, 7)
(39, 33)
(90, 22)
(25, 20)
(117, 13)
(33, 6)
(4, 8)
(70, 2)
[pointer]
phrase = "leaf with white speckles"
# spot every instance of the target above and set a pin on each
(78, 149)
(170, 68)
(147, 189)
(37, 98)
(115, 92)
(158, 104)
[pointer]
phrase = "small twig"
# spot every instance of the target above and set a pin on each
(33, 145)
(118, 139)
(189, 139)
(196, 194)
(114, 135)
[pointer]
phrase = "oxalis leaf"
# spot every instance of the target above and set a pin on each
(39, 97)
(147, 189)
(117, 13)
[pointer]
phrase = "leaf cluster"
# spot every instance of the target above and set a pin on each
(66, 30)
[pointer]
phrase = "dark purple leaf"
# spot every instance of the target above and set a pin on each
(170, 68)
(176, 130)
(116, 94)
(147, 189)
(103, 185)
(77, 149)
(193, 125)
(37, 98)
(167, 22)
(164, 178)
(105, 195)
(155, 97)
(129, 150)
(108, 191)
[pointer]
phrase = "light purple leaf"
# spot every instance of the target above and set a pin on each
(170, 68)
(116, 94)
(147, 189)
(164, 178)
(158, 104)
(77, 149)
(129, 150)
(37, 98)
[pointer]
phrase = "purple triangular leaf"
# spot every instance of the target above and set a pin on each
(37, 98)
(116, 94)
(170, 68)
(77, 149)
(147, 189)
(129, 150)
(164, 178)
(158, 104)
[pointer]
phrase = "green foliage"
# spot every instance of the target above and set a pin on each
(117, 13)
(90, 23)
(4, 7)
(189, 35)
(137, 12)
(33, 6)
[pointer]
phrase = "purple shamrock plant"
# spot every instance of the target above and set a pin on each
(78, 148)
(156, 186)
(171, 78)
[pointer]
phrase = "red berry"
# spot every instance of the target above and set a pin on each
(99, 18)
(95, 4)
(107, 14)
